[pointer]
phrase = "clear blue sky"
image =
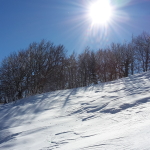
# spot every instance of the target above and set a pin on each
(66, 22)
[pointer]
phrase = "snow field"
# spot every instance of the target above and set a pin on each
(112, 116)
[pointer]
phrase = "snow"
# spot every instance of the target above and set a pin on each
(109, 116)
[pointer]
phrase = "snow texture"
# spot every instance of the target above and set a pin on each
(109, 116)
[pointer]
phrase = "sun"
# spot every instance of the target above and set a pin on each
(100, 12)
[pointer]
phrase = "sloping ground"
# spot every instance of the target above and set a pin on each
(112, 116)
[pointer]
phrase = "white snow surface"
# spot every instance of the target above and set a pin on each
(109, 116)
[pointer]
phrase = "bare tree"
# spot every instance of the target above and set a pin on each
(142, 47)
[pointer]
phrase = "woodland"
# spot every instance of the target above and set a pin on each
(45, 67)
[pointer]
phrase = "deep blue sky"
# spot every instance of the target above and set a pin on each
(66, 22)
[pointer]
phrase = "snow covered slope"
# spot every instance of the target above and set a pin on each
(112, 116)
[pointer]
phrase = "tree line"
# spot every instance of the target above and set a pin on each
(44, 67)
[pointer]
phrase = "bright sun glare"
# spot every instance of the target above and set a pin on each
(100, 12)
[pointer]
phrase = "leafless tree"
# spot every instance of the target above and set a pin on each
(142, 48)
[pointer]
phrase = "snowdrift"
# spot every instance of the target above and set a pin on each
(112, 116)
